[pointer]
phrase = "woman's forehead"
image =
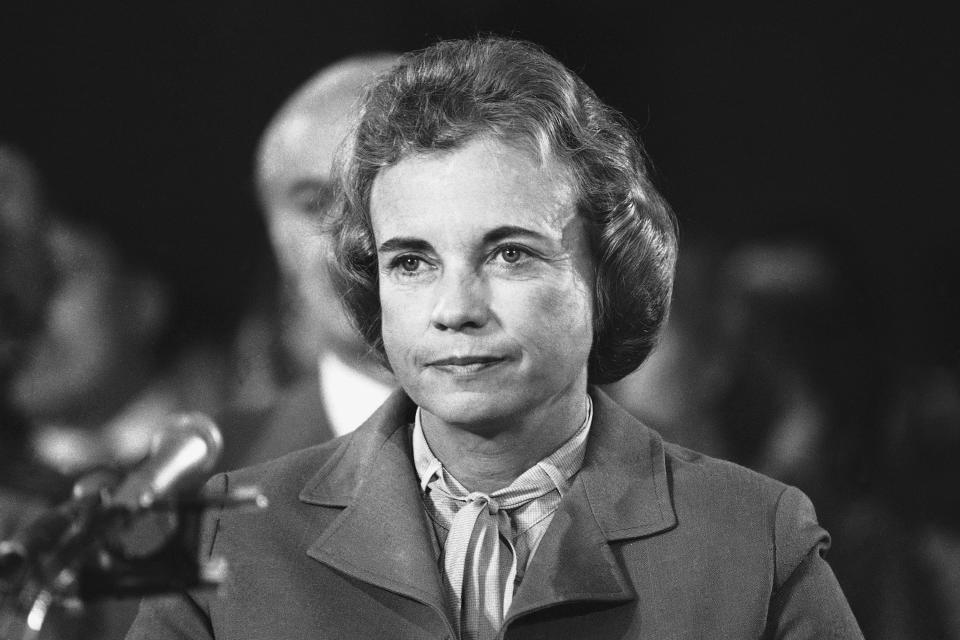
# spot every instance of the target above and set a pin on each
(481, 184)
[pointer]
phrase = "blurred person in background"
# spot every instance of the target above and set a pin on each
(767, 360)
(803, 366)
(319, 371)
(913, 514)
(98, 380)
(93, 358)
(779, 324)
(25, 483)
(98, 375)
(89, 383)
(27, 486)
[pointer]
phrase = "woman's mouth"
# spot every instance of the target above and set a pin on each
(464, 365)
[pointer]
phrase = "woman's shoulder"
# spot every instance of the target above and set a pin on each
(704, 473)
(736, 503)
(281, 475)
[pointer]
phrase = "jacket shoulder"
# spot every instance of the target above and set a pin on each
(290, 470)
(704, 473)
(747, 504)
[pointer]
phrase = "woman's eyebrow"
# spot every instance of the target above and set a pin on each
(404, 243)
(511, 231)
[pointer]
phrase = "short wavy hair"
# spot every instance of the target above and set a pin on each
(444, 96)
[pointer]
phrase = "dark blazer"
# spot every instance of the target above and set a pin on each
(652, 541)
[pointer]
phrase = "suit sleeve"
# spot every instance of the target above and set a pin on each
(182, 616)
(807, 601)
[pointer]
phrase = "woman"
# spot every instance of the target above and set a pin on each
(502, 247)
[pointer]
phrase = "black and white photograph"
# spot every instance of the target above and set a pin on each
(479, 321)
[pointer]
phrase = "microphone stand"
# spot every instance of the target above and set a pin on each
(111, 549)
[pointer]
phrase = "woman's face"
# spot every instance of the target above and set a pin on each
(486, 282)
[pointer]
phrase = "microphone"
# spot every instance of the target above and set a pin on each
(181, 456)
(127, 534)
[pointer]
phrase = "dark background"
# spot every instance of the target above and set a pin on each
(815, 118)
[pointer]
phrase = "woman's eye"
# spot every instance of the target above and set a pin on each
(511, 254)
(409, 263)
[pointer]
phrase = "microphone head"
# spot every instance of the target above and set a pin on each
(182, 454)
(179, 427)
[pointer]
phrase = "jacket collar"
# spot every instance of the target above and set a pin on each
(620, 493)
(341, 480)
(383, 535)
(625, 474)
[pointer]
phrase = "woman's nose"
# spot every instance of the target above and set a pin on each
(462, 301)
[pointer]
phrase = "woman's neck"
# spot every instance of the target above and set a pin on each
(491, 456)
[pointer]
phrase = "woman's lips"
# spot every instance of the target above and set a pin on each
(465, 364)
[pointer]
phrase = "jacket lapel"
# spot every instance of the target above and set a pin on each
(383, 536)
(620, 493)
